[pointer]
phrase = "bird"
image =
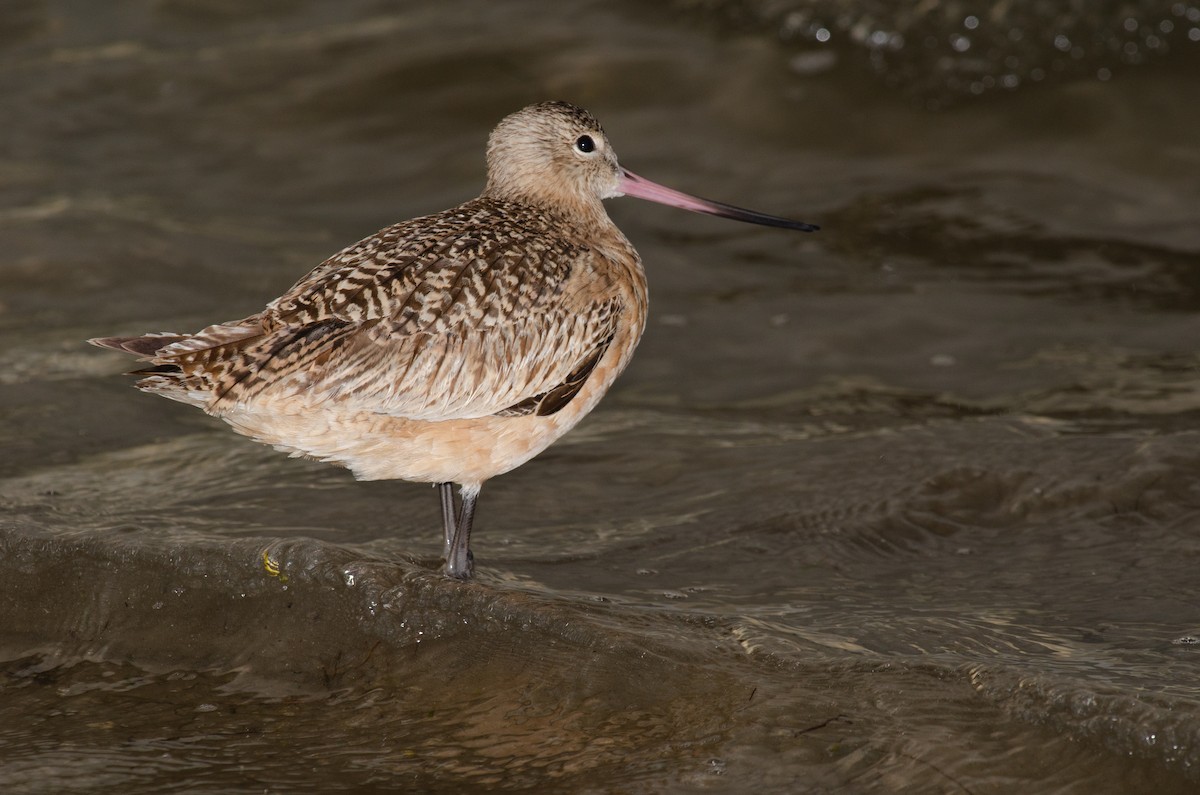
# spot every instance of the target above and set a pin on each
(450, 348)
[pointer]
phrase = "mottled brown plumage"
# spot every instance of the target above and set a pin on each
(449, 348)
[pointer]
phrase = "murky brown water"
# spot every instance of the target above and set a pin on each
(912, 504)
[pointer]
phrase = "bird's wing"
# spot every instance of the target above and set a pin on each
(445, 317)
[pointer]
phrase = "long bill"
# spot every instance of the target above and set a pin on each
(640, 187)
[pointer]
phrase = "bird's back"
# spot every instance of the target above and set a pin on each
(474, 311)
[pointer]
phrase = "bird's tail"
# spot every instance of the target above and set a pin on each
(145, 345)
(190, 368)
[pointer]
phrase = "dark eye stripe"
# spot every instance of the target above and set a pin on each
(585, 144)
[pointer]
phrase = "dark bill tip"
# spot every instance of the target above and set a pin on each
(642, 188)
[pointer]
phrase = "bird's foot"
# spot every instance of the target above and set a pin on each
(460, 567)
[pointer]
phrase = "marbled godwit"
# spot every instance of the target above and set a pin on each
(450, 348)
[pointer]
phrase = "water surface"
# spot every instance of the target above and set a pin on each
(910, 504)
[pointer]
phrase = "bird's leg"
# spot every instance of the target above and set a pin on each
(458, 559)
(448, 520)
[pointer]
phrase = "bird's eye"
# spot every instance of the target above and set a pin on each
(585, 144)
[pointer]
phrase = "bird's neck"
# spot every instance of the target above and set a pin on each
(587, 214)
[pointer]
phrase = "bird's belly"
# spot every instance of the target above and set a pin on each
(379, 447)
(383, 447)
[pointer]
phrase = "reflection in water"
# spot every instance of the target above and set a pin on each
(910, 507)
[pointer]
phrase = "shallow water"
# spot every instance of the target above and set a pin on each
(911, 504)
